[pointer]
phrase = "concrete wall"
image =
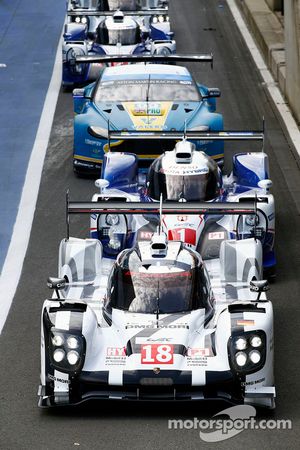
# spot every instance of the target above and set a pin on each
(292, 49)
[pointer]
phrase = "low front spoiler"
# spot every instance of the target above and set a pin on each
(262, 397)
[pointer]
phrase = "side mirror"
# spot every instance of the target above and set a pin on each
(57, 284)
(265, 184)
(259, 286)
(101, 184)
(212, 93)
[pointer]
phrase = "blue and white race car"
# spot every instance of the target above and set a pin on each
(187, 175)
(112, 33)
(155, 97)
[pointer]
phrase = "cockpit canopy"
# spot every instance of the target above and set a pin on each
(114, 5)
(163, 285)
(118, 29)
(184, 174)
(107, 5)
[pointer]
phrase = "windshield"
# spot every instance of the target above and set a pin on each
(200, 187)
(167, 288)
(90, 4)
(107, 5)
(143, 90)
(118, 36)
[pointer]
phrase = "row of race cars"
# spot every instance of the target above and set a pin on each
(166, 298)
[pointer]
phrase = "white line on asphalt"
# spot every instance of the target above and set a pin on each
(277, 97)
(13, 263)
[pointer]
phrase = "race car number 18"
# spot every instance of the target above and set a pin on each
(157, 354)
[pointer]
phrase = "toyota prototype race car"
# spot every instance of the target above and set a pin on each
(112, 33)
(158, 323)
(184, 174)
(159, 97)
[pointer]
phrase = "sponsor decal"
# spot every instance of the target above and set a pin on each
(245, 323)
(157, 354)
(59, 380)
(115, 356)
(183, 234)
(252, 383)
(197, 357)
(115, 351)
(150, 117)
(148, 109)
(91, 142)
(182, 218)
(143, 340)
(180, 170)
(153, 325)
(147, 235)
(216, 235)
(198, 352)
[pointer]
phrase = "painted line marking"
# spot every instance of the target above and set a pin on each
(275, 93)
(13, 263)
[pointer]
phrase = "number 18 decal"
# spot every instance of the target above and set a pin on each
(157, 354)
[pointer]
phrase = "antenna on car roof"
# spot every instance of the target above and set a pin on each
(67, 214)
(263, 130)
(108, 135)
(184, 130)
(255, 217)
(160, 213)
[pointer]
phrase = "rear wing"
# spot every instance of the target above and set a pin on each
(105, 59)
(175, 208)
(95, 13)
(257, 135)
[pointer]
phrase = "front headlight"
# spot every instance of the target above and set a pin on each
(154, 20)
(247, 351)
(66, 350)
(84, 20)
(112, 219)
(77, 19)
(112, 232)
(161, 19)
(252, 225)
(252, 220)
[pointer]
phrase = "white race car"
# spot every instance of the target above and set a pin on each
(158, 323)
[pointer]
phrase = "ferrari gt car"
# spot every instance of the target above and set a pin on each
(156, 97)
(90, 32)
(158, 323)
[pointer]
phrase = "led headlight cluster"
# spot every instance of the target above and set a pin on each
(253, 226)
(160, 19)
(67, 351)
(112, 229)
(252, 220)
(247, 351)
(81, 19)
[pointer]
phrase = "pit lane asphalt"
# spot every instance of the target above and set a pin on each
(200, 26)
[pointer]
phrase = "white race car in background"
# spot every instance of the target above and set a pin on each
(158, 323)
